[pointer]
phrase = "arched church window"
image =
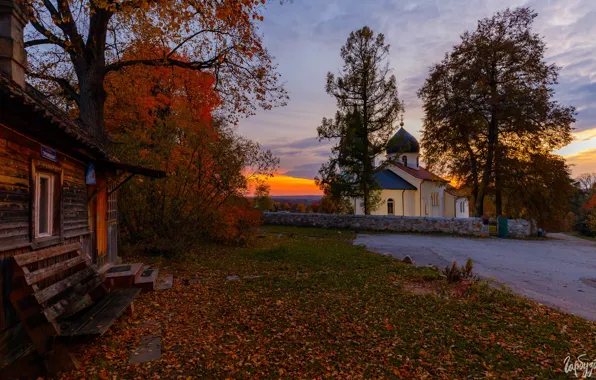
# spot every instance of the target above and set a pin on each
(404, 160)
(390, 207)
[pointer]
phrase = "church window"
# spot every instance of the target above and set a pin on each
(434, 197)
(390, 207)
(404, 160)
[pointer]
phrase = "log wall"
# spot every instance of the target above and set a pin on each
(18, 158)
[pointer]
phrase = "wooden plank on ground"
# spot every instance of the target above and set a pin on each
(43, 273)
(32, 257)
(62, 285)
(105, 315)
(79, 291)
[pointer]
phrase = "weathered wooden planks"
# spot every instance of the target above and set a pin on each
(43, 273)
(101, 317)
(31, 257)
(62, 285)
(66, 304)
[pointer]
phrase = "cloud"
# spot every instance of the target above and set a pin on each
(308, 171)
(306, 36)
(583, 162)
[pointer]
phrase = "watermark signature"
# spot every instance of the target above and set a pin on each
(581, 367)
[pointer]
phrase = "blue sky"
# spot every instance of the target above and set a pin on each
(305, 37)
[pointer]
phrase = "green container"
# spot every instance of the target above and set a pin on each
(502, 228)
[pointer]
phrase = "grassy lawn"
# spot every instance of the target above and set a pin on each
(580, 235)
(326, 308)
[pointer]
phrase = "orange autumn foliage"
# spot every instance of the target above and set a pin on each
(163, 118)
(591, 203)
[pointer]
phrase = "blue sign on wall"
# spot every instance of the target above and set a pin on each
(90, 177)
(48, 154)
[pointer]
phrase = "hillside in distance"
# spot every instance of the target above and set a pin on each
(296, 199)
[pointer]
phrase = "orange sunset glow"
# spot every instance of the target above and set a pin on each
(286, 185)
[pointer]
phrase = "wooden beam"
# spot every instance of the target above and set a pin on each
(32, 257)
(62, 285)
(41, 274)
(121, 183)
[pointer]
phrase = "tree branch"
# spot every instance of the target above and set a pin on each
(63, 83)
(45, 32)
(45, 41)
(196, 65)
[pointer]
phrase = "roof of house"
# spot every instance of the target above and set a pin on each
(402, 142)
(388, 180)
(38, 104)
(460, 193)
(420, 173)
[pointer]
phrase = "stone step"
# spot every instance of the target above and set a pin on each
(146, 280)
(123, 276)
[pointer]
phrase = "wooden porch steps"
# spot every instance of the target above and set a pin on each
(134, 275)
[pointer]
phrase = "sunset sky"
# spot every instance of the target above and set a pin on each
(306, 36)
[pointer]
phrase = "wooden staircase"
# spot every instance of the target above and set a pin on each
(135, 275)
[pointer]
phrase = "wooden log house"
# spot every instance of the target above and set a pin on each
(58, 183)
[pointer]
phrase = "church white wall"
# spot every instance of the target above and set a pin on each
(396, 195)
(449, 205)
(427, 188)
(462, 208)
(410, 158)
(416, 182)
(412, 203)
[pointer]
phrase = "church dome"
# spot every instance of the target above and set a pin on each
(402, 142)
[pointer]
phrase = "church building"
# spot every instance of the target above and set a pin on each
(408, 189)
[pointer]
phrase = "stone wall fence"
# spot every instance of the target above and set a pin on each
(466, 227)
(521, 228)
(455, 226)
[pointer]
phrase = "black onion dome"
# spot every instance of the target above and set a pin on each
(402, 142)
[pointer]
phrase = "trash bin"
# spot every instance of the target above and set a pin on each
(502, 228)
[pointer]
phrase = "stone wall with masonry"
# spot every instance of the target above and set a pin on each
(464, 227)
(468, 227)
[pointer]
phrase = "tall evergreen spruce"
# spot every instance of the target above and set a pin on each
(367, 107)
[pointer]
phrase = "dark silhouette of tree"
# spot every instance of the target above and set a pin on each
(367, 106)
(491, 100)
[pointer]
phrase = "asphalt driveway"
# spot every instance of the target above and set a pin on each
(560, 272)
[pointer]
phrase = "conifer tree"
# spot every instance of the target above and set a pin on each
(367, 107)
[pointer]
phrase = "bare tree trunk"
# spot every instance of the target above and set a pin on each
(492, 136)
(93, 97)
(498, 183)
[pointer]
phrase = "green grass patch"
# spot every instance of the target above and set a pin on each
(580, 235)
(308, 303)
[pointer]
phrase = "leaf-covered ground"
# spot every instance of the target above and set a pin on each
(325, 308)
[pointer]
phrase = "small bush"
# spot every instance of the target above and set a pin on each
(454, 273)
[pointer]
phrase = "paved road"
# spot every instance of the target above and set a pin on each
(560, 273)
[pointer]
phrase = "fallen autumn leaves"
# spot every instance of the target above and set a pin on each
(325, 308)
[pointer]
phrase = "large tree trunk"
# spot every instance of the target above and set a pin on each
(498, 182)
(92, 101)
(492, 136)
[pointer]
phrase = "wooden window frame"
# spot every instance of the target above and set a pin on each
(391, 203)
(56, 227)
(50, 204)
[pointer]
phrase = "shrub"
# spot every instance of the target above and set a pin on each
(454, 273)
